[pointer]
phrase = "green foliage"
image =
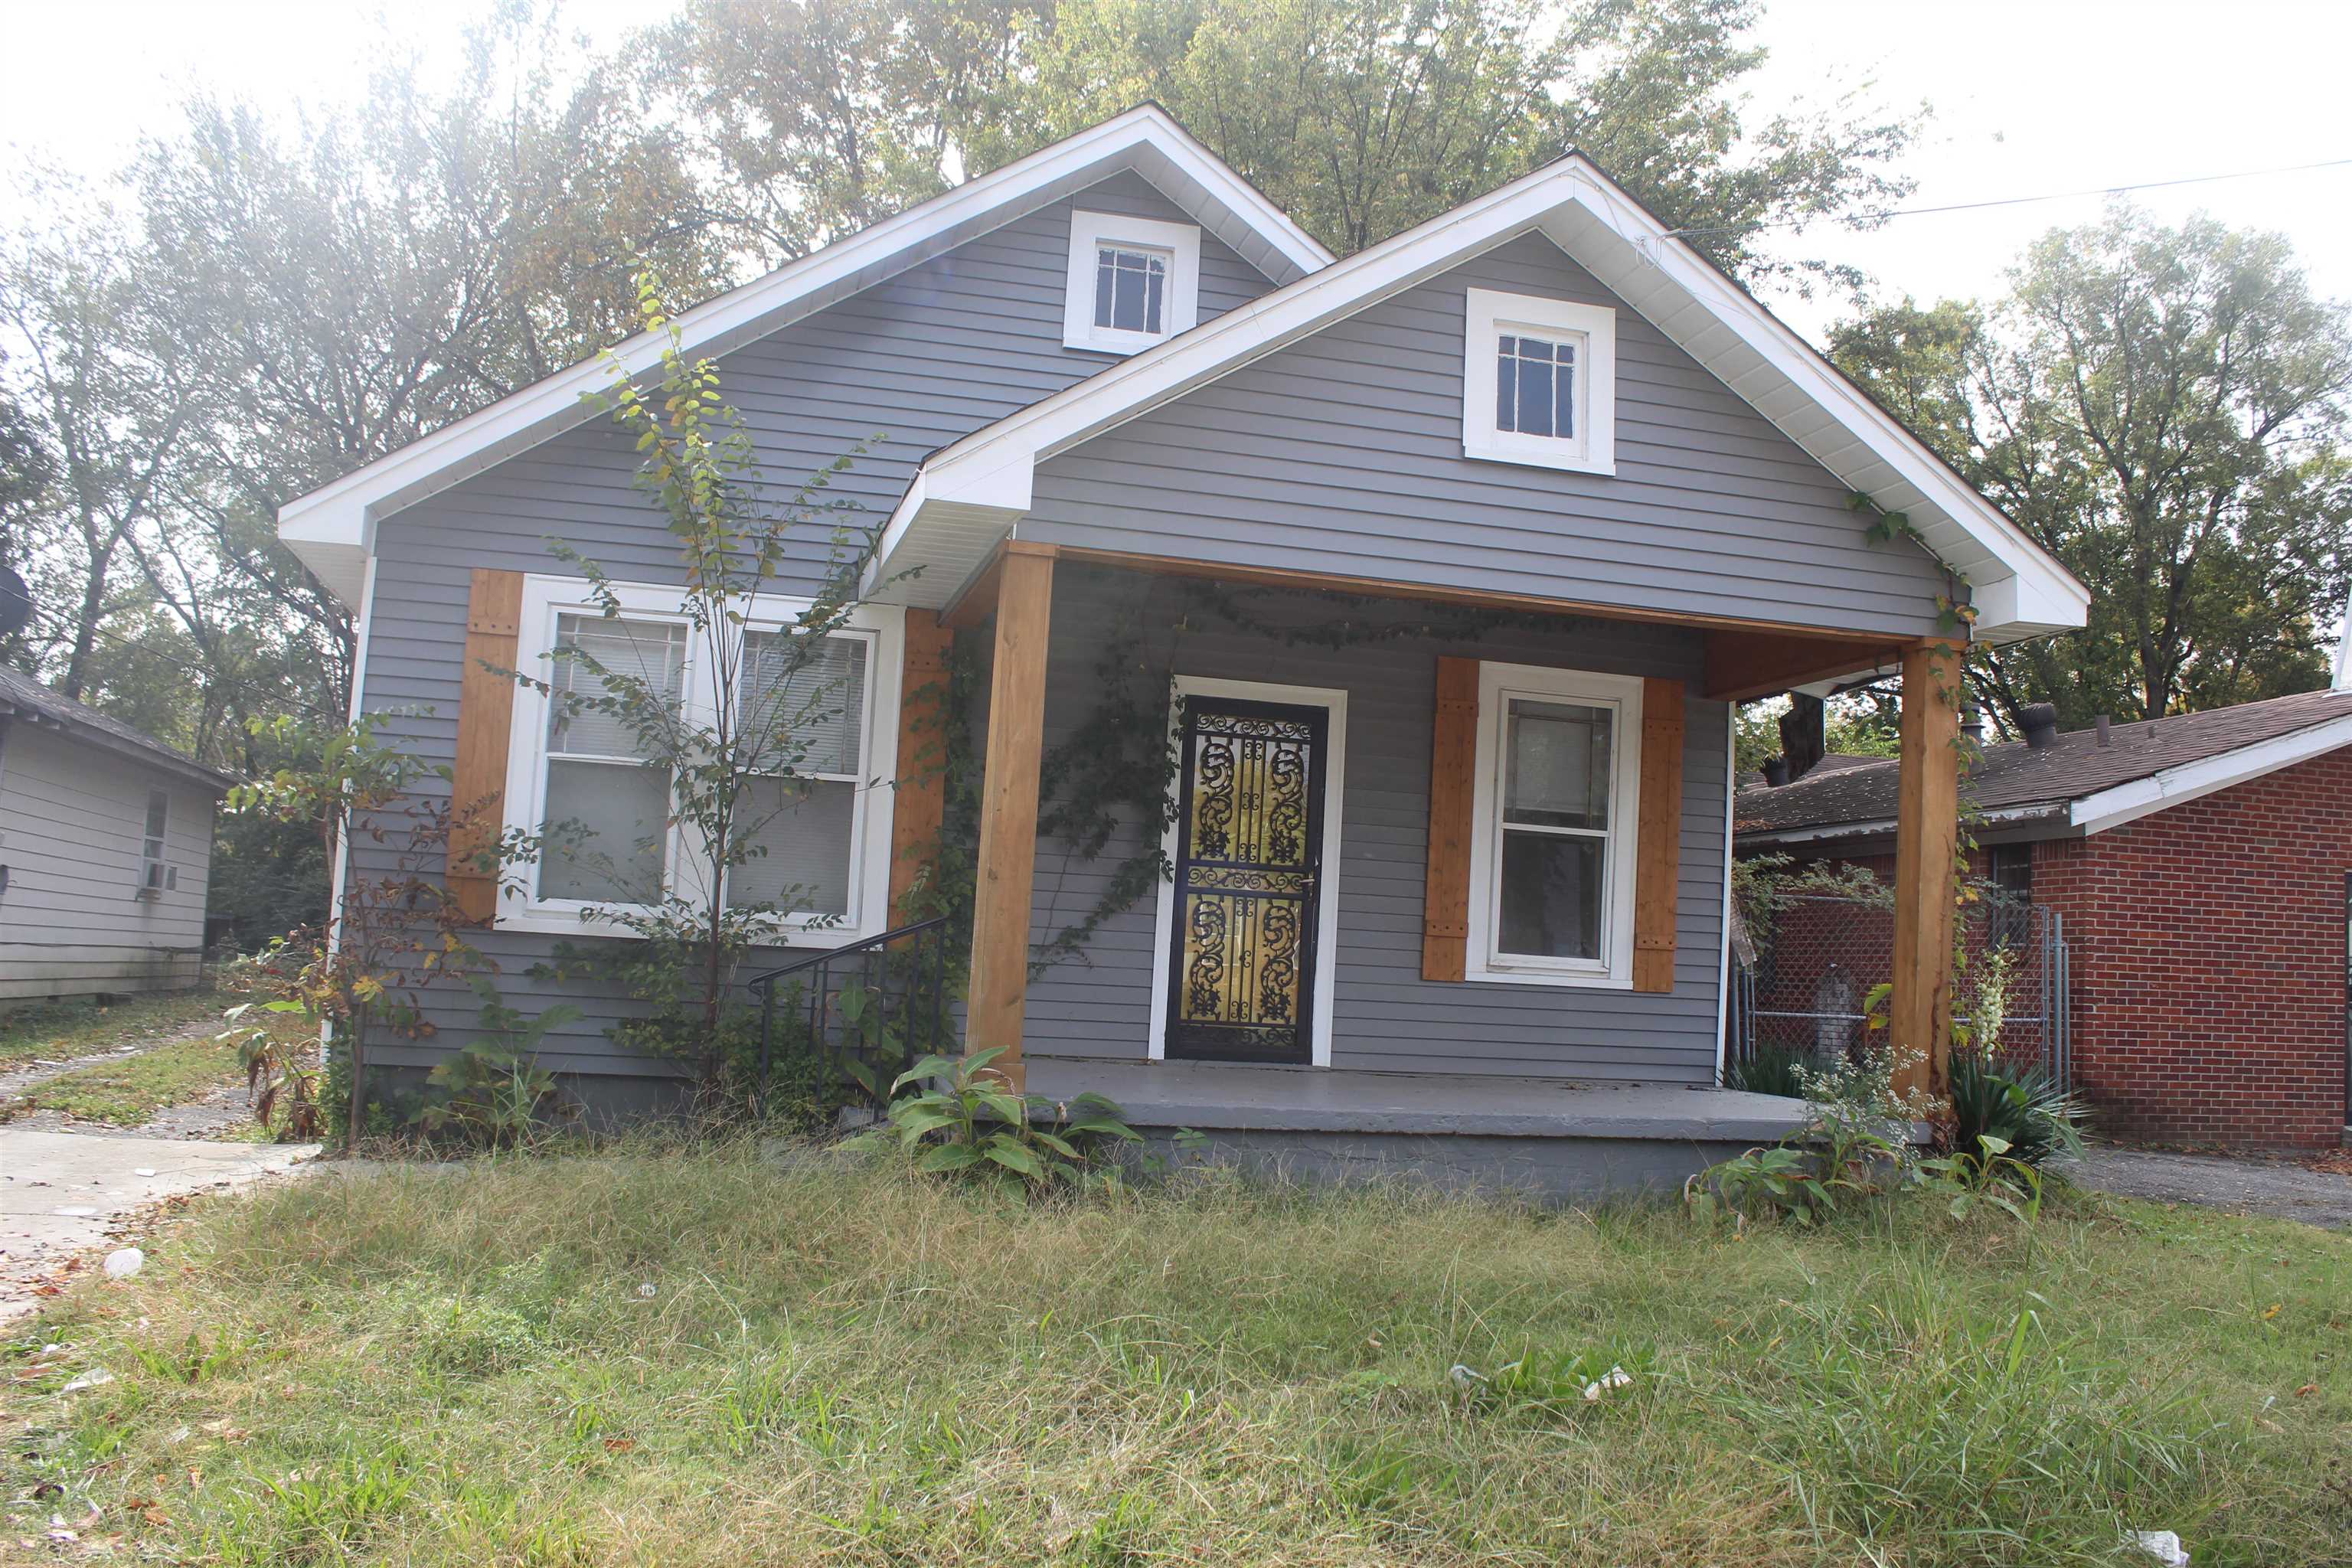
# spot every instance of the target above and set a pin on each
(1985, 1174)
(2166, 411)
(491, 1091)
(283, 1086)
(963, 1121)
(2032, 1117)
(1769, 1069)
(730, 769)
(1558, 1383)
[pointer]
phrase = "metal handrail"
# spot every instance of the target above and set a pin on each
(922, 1000)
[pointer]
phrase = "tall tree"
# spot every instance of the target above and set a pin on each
(2166, 411)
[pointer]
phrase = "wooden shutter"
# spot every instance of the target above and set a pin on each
(919, 803)
(485, 719)
(1659, 862)
(1453, 765)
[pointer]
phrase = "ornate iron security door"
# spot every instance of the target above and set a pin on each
(1249, 861)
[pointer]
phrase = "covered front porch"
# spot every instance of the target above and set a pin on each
(1412, 1050)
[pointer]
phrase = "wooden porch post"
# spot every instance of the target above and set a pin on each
(1008, 810)
(1926, 845)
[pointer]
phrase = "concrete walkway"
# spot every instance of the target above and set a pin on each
(2276, 1188)
(64, 1193)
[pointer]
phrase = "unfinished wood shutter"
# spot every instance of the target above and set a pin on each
(1453, 767)
(919, 803)
(484, 719)
(1658, 864)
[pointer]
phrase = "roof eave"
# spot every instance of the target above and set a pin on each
(332, 529)
(2020, 591)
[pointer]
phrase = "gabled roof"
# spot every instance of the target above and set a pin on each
(970, 494)
(26, 700)
(333, 527)
(2075, 785)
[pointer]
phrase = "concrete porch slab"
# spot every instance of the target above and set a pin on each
(1222, 1097)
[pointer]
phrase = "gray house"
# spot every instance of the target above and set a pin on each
(1458, 552)
(106, 843)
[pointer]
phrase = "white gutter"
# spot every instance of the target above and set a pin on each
(2176, 786)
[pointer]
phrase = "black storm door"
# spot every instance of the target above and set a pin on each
(1249, 861)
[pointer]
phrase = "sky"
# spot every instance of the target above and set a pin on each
(2031, 96)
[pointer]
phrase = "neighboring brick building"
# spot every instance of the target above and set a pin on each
(2203, 867)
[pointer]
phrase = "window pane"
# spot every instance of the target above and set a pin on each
(805, 827)
(613, 851)
(821, 703)
(1535, 385)
(651, 651)
(1557, 765)
(1535, 396)
(159, 808)
(1130, 288)
(1551, 896)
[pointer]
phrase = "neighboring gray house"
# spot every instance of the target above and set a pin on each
(106, 843)
(1427, 875)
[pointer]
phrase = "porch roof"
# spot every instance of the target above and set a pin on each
(1224, 1097)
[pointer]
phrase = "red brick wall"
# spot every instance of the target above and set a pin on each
(2208, 950)
(2209, 953)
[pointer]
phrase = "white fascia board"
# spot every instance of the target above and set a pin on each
(2176, 786)
(331, 528)
(2020, 589)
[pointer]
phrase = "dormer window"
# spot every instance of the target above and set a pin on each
(1133, 282)
(1538, 382)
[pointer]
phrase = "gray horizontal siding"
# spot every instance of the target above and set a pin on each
(1387, 1016)
(1343, 454)
(908, 366)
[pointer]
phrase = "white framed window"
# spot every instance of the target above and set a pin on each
(821, 821)
(1133, 282)
(155, 874)
(1539, 383)
(1555, 810)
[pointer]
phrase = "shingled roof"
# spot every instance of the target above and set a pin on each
(2016, 784)
(29, 701)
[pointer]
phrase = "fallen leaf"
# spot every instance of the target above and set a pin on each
(619, 1445)
(2307, 1390)
(156, 1517)
(2273, 1310)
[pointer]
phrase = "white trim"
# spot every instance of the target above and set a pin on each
(1333, 699)
(971, 492)
(333, 527)
(546, 597)
(1497, 685)
(1723, 978)
(337, 874)
(1592, 448)
(2176, 786)
(1179, 304)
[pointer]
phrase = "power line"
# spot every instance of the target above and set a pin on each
(1860, 219)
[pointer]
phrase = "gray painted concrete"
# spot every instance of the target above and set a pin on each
(2278, 1188)
(1218, 1096)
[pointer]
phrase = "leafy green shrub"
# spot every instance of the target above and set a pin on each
(1771, 1069)
(492, 1091)
(967, 1123)
(1987, 1176)
(2032, 1118)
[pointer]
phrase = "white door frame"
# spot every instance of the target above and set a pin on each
(1333, 701)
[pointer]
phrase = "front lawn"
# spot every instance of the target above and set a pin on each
(697, 1356)
(81, 1026)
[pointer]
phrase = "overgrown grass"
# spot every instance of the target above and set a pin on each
(128, 1091)
(80, 1027)
(703, 1357)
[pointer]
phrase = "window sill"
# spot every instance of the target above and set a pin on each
(547, 921)
(1108, 341)
(1534, 457)
(1593, 980)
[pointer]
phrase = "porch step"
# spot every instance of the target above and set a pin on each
(1222, 1097)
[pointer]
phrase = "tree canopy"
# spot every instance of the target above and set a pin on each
(2165, 409)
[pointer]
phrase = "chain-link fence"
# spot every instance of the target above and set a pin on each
(1806, 962)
